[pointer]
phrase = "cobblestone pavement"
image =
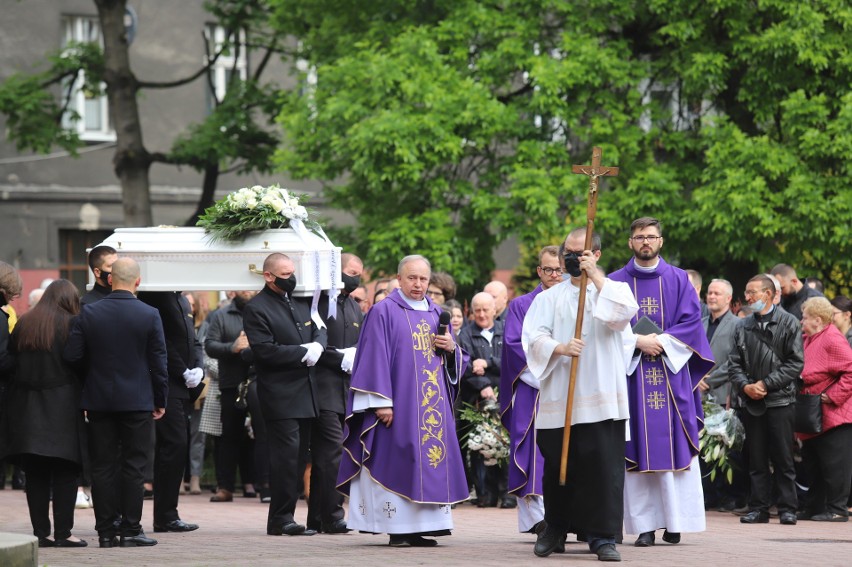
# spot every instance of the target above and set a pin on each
(235, 534)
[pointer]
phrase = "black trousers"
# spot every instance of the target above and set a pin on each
(285, 439)
(261, 439)
(118, 448)
(235, 446)
(46, 476)
(770, 438)
(592, 500)
(170, 459)
(828, 459)
(325, 505)
(491, 481)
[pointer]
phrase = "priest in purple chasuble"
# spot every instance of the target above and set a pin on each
(663, 482)
(519, 394)
(402, 466)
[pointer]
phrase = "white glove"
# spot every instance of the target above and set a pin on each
(348, 359)
(192, 377)
(314, 352)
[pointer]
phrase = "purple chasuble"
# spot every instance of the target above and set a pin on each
(519, 404)
(665, 407)
(418, 456)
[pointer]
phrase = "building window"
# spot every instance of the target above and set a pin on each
(73, 255)
(91, 109)
(231, 61)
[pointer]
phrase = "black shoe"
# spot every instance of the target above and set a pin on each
(290, 528)
(508, 503)
(537, 528)
(175, 526)
(803, 515)
(829, 517)
(644, 540)
(147, 494)
(671, 537)
(45, 542)
(107, 541)
(755, 517)
(69, 543)
(788, 518)
(548, 541)
(607, 552)
(336, 527)
(138, 540)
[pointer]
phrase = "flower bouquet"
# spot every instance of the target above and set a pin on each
(486, 435)
(249, 209)
(723, 432)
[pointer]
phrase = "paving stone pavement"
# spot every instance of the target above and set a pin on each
(234, 533)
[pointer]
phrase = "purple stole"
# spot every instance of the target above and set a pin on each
(519, 404)
(418, 456)
(665, 407)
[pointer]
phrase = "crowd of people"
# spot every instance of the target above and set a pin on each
(599, 380)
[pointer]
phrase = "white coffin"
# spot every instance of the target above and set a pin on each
(184, 259)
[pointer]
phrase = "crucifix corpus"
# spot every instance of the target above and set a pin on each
(594, 171)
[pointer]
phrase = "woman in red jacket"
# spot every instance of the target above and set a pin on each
(828, 372)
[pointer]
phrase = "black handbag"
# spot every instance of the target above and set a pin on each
(808, 413)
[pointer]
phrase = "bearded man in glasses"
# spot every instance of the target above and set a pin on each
(662, 487)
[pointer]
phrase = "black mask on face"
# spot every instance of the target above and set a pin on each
(572, 264)
(350, 283)
(105, 278)
(288, 285)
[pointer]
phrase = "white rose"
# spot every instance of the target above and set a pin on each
(301, 212)
(251, 203)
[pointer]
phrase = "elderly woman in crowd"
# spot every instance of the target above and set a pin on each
(828, 372)
(842, 316)
(43, 424)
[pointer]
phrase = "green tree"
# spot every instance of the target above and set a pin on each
(446, 127)
(238, 135)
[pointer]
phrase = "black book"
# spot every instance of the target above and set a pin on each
(646, 327)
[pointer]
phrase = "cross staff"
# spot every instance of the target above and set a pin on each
(594, 171)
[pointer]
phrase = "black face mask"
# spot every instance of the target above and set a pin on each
(572, 264)
(105, 278)
(350, 283)
(288, 285)
(3, 299)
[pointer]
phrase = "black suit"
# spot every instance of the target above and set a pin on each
(120, 340)
(184, 352)
(276, 327)
(326, 503)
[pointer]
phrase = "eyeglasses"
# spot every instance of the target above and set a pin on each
(551, 271)
(753, 292)
(358, 299)
(433, 292)
(650, 239)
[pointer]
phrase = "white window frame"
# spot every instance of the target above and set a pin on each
(82, 29)
(225, 62)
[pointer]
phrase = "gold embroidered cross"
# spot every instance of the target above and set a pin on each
(656, 400)
(654, 376)
(649, 306)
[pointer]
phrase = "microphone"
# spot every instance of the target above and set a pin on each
(443, 323)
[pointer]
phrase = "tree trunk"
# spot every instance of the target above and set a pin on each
(131, 161)
(208, 190)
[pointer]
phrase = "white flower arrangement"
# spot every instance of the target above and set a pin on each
(486, 436)
(722, 432)
(252, 208)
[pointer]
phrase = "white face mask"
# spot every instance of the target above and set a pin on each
(758, 306)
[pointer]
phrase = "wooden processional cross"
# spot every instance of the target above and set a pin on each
(594, 171)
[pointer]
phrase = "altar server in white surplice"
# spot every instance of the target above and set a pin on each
(591, 502)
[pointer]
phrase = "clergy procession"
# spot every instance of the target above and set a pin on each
(584, 405)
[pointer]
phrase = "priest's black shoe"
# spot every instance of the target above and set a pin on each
(107, 541)
(755, 517)
(408, 540)
(138, 540)
(671, 537)
(175, 526)
(645, 540)
(607, 552)
(336, 527)
(788, 518)
(549, 541)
